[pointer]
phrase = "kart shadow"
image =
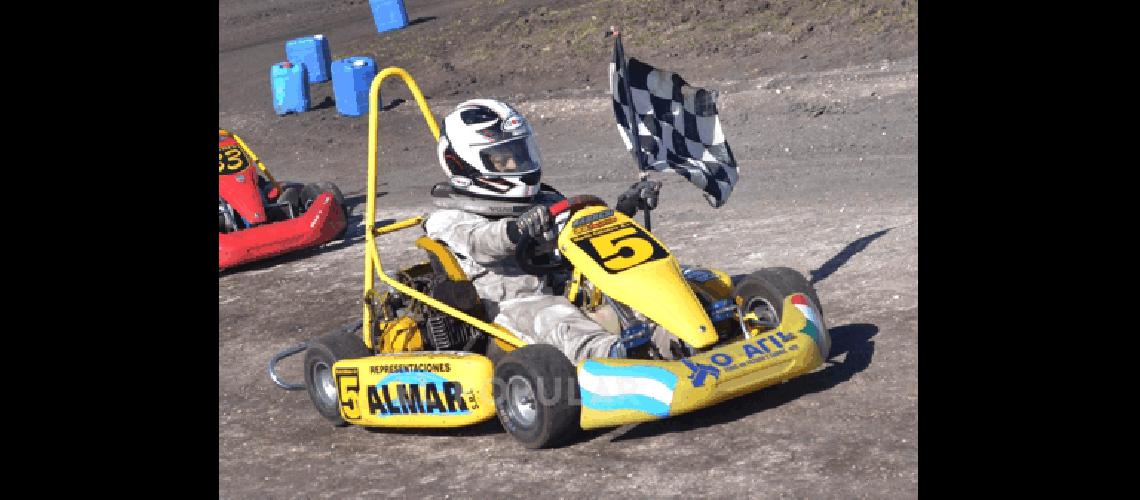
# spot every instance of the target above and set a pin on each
(487, 428)
(854, 340)
(355, 231)
(353, 234)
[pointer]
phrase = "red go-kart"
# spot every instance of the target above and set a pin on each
(259, 217)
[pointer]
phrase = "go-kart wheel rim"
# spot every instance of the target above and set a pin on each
(765, 312)
(521, 404)
(326, 386)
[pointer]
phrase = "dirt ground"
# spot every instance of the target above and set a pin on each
(820, 105)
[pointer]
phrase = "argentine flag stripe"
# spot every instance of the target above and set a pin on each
(629, 402)
(812, 327)
(644, 388)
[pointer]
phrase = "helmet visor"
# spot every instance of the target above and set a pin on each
(515, 156)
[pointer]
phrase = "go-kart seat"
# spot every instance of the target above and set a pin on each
(452, 286)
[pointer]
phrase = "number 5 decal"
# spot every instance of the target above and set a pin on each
(348, 384)
(622, 248)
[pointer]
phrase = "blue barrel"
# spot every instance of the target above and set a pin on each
(290, 85)
(388, 14)
(351, 80)
(313, 52)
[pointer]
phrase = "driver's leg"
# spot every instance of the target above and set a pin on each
(551, 319)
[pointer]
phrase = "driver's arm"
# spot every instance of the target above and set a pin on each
(482, 239)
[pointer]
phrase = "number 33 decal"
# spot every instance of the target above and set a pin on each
(230, 161)
(622, 248)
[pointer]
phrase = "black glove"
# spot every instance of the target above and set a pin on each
(537, 223)
(642, 194)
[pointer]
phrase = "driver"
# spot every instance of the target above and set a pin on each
(494, 196)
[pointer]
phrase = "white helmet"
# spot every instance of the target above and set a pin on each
(488, 150)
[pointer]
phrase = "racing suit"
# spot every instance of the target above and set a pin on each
(515, 299)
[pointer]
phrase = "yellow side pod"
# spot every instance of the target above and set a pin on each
(420, 389)
(625, 391)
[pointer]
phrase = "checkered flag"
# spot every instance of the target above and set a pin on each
(677, 125)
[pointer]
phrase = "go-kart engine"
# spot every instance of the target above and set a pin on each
(445, 333)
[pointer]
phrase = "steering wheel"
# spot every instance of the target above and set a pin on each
(538, 258)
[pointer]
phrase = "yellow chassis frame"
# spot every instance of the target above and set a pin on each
(372, 265)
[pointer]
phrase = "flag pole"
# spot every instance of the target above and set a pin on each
(642, 162)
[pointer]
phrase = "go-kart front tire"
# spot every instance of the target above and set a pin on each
(536, 395)
(764, 292)
(319, 359)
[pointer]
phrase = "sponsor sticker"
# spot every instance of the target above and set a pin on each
(620, 247)
(512, 122)
(754, 351)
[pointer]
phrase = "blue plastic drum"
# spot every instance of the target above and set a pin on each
(388, 14)
(313, 52)
(352, 78)
(290, 86)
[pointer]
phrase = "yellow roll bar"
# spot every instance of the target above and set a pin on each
(372, 266)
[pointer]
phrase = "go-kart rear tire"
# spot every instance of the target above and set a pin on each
(537, 396)
(291, 195)
(313, 190)
(770, 285)
(319, 359)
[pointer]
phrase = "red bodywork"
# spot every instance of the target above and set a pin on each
(240, 186)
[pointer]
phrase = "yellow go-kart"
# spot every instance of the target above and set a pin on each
(426, 356)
